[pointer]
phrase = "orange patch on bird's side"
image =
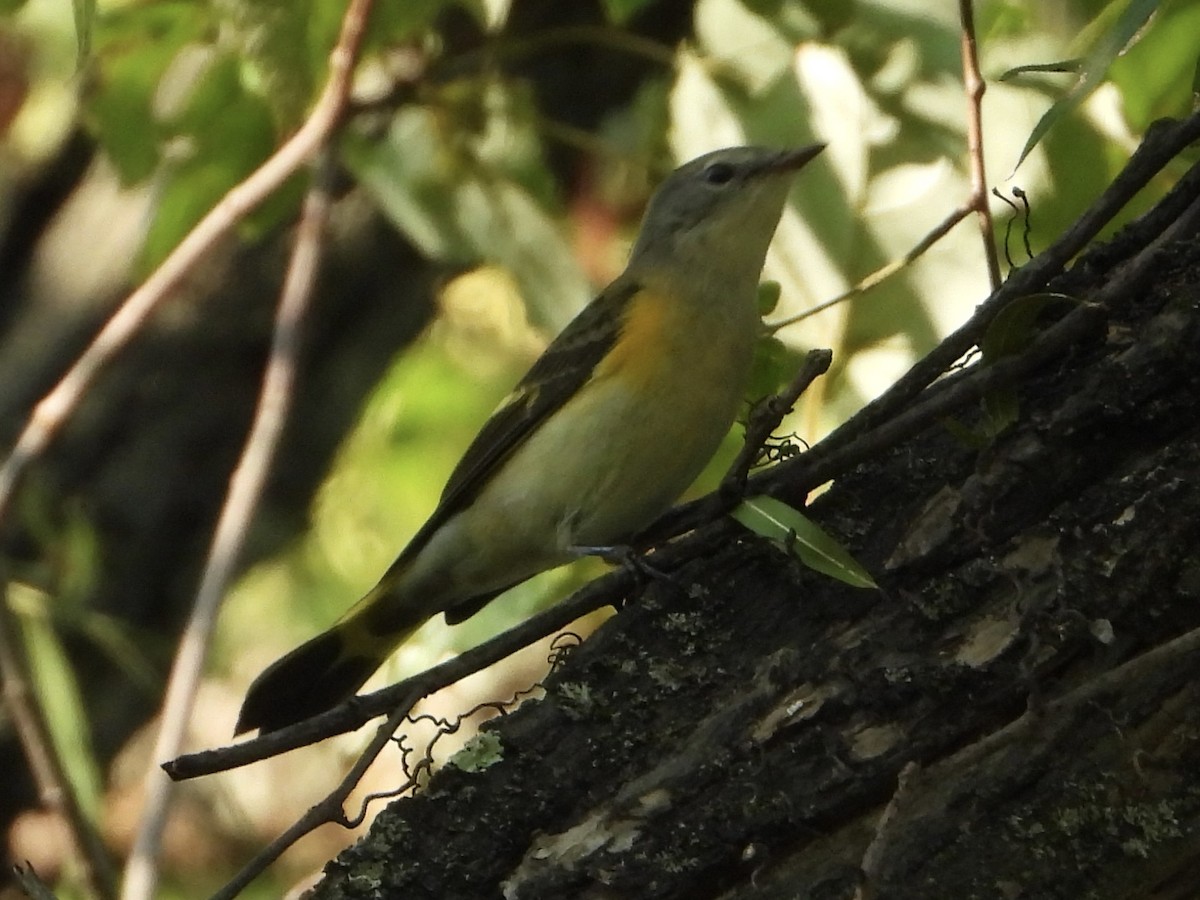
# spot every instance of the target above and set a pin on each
(639, 346)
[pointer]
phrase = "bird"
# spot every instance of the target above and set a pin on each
(607, 429)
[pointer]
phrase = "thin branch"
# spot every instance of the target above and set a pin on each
(975, 85)
(883, 273)
(330, 809)
(767, 416)
(52, 412)
(1163, 143)
(605, 591)
(977, 200)
(245, 488)
(55, 789)
(812, 468)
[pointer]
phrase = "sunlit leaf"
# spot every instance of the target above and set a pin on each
(785, 525)
(57, 691)
(231, 132)
(1158, 76)
(1095, 66)
(457, 210)
(85, 21)
(621, 11)
(773, 364)
(768, 297)
(725, 29)
(133, 48)
(272, 41)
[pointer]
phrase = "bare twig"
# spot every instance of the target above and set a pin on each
(883, 273)
(976, 202)
(56, 407)
(54, 787)
(975, 85)
(1162, 144)
(352, 714)
(245, 488)
(765, 418)
(330, 809)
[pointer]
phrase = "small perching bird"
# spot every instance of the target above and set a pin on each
(610, 425)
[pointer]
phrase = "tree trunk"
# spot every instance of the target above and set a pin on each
(1014, 713)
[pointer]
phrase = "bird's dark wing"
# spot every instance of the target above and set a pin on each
(559, 372)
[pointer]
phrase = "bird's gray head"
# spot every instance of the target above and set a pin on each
(722, 208)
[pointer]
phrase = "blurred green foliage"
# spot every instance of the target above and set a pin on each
(187, 97)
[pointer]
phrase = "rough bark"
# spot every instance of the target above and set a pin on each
(741, 730)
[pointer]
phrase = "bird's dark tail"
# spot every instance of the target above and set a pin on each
(316, 676)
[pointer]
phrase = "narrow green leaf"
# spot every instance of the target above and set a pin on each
(1107, 48)
(57, 690)
(621, 11)
(1060, 67)
(1013, 327)
(85, 22)
(785, 525)
(1008, 334)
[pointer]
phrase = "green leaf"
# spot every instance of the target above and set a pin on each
(393, 23)
(465, 209)
(974, 438)
(1157, 77)
(774, 363)
(1096, 64)
(1009, 333)
(85, 21)
(1057, 68)
(785, 525)
(134, 47)
(768, 297)
(621, 11)
(58, 692)
(272, 44)
(230, 132)
(1015, 325)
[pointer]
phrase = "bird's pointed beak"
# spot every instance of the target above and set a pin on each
(791, 160)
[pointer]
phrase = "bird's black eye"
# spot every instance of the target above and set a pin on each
(718, 173)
